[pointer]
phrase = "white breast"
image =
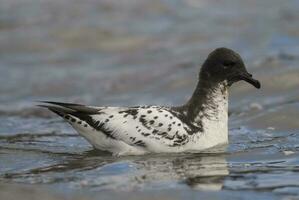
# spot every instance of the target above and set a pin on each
(214, 122)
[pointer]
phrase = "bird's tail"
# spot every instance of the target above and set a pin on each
(63, 109)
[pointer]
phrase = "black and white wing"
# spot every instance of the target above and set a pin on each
(153, 128)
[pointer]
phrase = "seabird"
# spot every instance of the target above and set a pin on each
(199, 124)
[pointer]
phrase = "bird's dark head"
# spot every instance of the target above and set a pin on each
(226, 65)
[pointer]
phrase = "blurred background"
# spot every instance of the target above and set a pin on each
(109, 52)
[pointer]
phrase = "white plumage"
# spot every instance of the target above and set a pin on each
(199, 124)
(147, 129)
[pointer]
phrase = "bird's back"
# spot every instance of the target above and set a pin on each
(129, 130)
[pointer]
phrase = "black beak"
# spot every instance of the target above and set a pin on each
(248, 78)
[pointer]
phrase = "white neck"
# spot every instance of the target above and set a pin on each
(214, 115)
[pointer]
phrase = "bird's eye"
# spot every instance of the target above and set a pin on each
(228, 63)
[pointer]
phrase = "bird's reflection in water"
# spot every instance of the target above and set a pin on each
(210, 175)
(98, 170)
(205, 171)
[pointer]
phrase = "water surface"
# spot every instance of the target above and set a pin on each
(147, 52)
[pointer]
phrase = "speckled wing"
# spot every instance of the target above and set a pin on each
(147, 126)
(152, 127)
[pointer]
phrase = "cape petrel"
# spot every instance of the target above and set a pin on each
(199, 124)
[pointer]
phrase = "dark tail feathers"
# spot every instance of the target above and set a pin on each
(68, 108)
